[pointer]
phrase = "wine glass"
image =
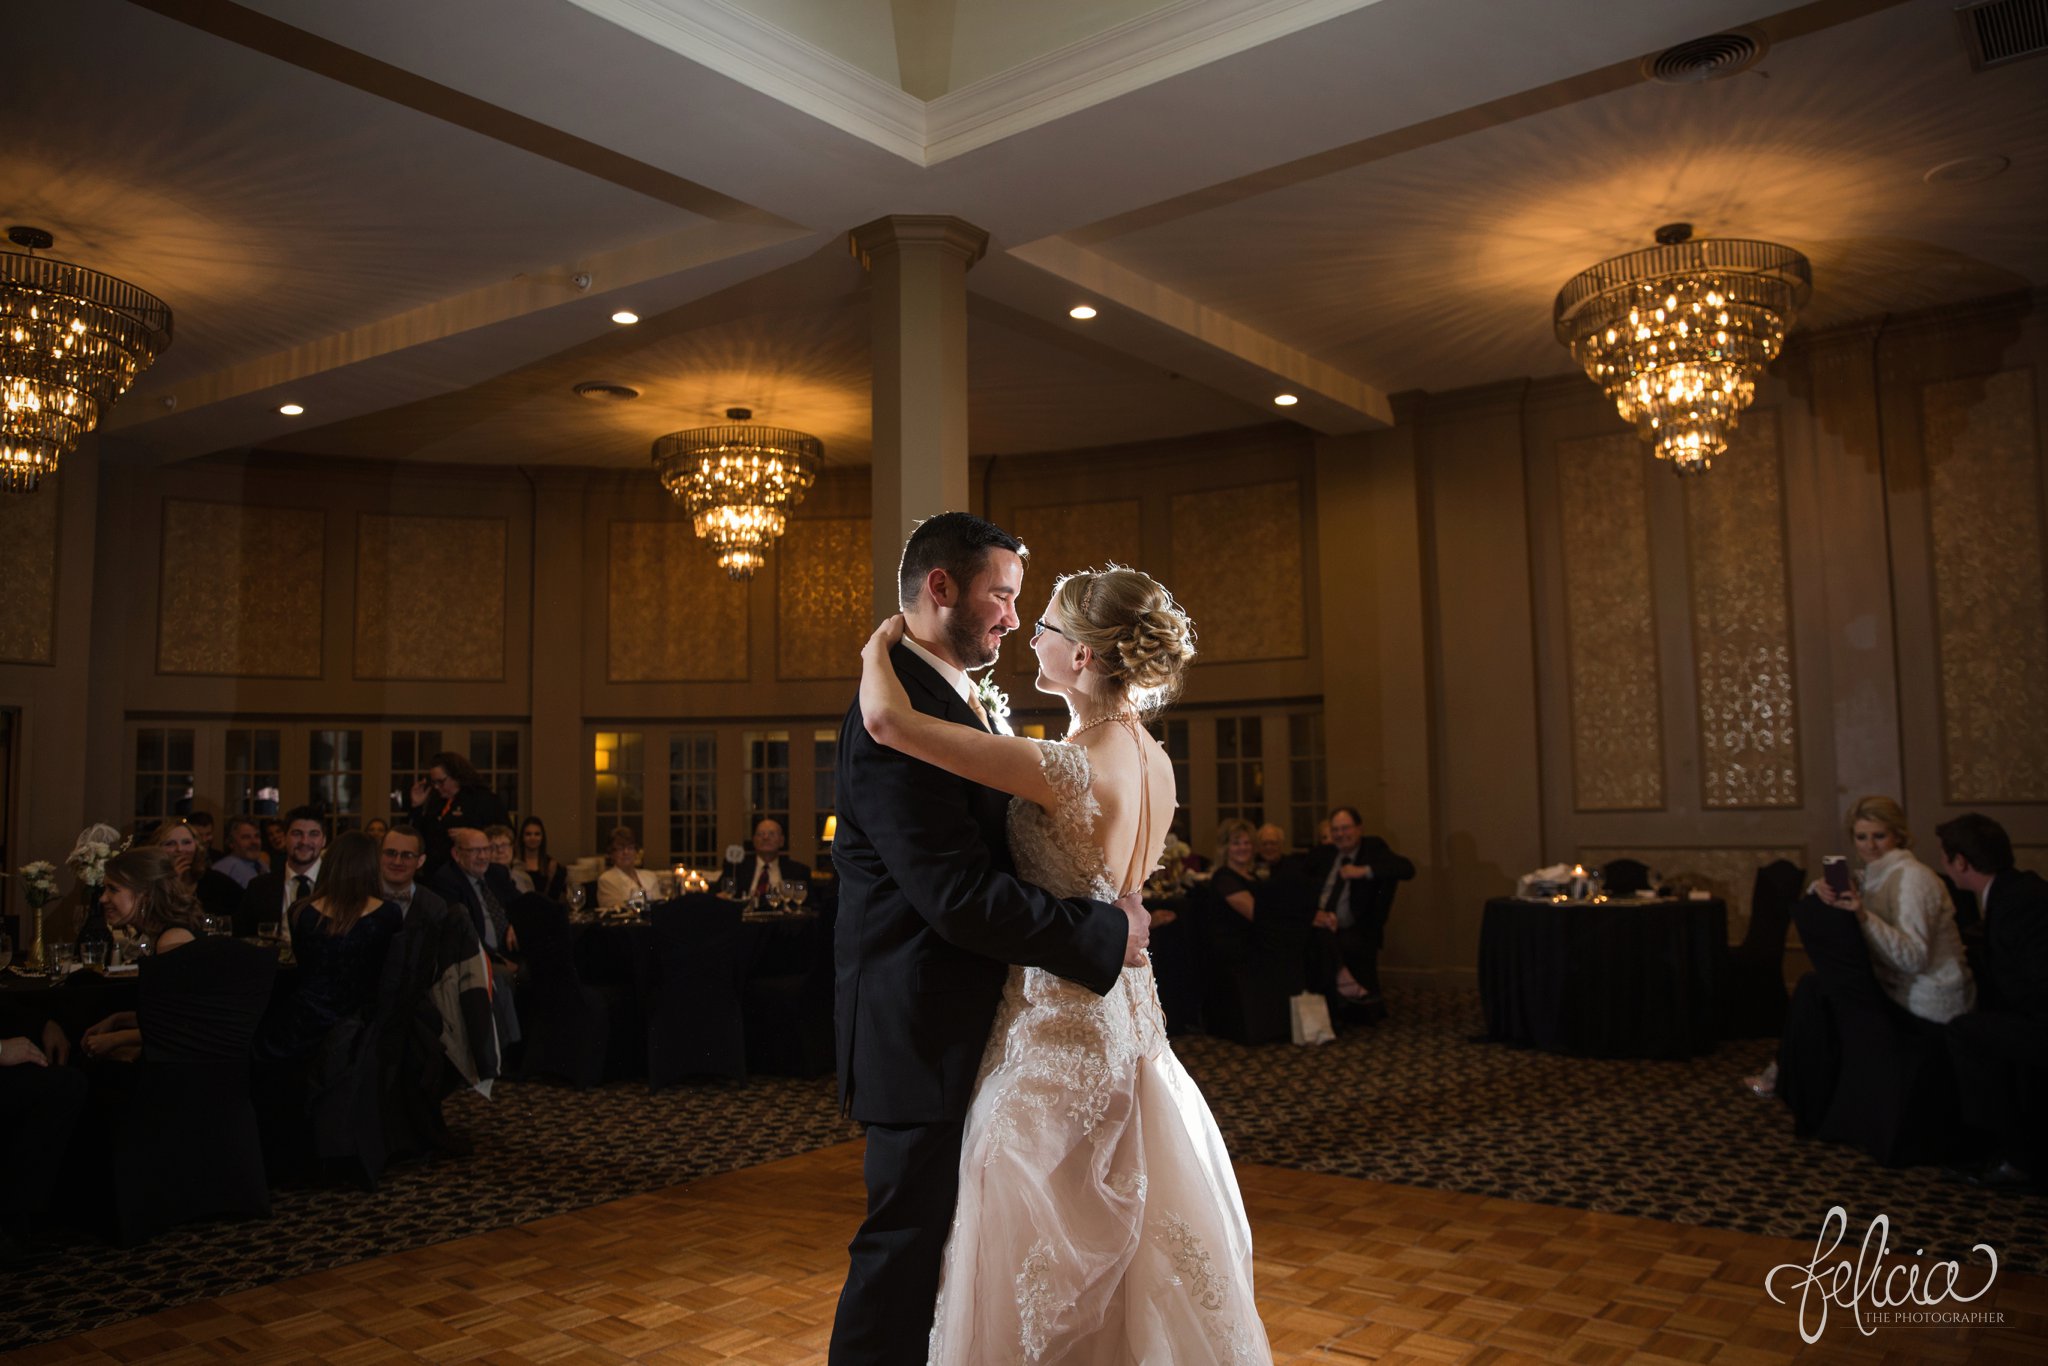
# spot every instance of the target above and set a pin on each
(797, 890)
(637, 902)
(729, 887)
(576, 899)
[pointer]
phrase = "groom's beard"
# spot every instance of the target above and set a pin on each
(971, 645)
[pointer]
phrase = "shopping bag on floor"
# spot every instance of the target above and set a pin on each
(1312, 1019)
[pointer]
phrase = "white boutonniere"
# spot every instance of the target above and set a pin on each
(993, 701)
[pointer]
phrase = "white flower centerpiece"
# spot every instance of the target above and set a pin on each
(38, 885)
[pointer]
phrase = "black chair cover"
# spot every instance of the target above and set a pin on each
(1255, 969)
(188, 1146)
(565, 1023)
(1625, 877)
(1853, 1065)
(788, 1018)
(694, 1017)
(1754, 974)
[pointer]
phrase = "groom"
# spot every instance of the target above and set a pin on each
(930, 918)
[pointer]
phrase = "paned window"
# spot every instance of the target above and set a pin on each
(494, 754)
(824, 779)
(1308, 788)
(619, 763)
(163, 776)
(767, 776)
(254, 772)
(412, 754)
(693, 800)
(334, 763)
(1240, 770)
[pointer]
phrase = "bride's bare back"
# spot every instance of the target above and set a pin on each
(1133, 785)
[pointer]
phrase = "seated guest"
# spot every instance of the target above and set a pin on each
(294, 874)
(615, 887)
(243, 861)
(339, 937)
(399, 856)
(274, 842)
(145, 894)
(175, 838)
(200, 823)
(515, 875)
(1353, 879)
(549, 876)
(1269, 842)
(1904, 963)
(2000, 1050)
(767, 867)
(41, 1100)
(375, 828)
(466, 882)
(451, 797)
(1237, 870)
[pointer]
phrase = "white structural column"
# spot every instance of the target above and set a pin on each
(919, 263)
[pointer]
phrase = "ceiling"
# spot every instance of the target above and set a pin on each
(417, 221)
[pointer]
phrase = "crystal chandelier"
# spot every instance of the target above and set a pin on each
(1676, 335)
(739, 483)
(71, 342)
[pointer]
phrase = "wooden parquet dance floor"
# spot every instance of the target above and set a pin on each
(746, 1267)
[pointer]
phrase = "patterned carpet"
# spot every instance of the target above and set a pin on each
(1412, 1101)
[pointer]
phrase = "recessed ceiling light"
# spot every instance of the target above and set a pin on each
(1285, 400)
(1082, 311)
(625, 317)
(291, 410)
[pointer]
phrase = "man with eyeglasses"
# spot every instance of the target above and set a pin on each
(466, 881)
(398, 868)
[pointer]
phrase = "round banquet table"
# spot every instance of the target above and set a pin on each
(1616, 979)
(77, 1002)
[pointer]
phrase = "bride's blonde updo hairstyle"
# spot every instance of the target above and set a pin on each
(1138, 634)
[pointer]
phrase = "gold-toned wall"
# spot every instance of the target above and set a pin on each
(1231, 547)
(671, 614)
(430, 597)
(822, 600)
(1611, 620)
(241, 590)
(28, 568)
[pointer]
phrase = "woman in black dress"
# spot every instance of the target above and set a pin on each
(339, 937)
(147, 895)
(550, 876)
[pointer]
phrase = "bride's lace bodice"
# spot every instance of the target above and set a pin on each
(1057, 1046)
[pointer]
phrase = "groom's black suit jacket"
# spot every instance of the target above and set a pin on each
(931, 917)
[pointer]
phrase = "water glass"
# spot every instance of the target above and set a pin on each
(63, 958)
(92, 954)
(797, 891)
(267, 931)
(576, 897)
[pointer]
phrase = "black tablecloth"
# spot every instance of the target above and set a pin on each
(608, 953)
(77, 1002)
(1621, 979)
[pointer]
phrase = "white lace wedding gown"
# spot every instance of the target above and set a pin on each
(1099, 1223)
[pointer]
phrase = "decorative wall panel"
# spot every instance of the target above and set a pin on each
(823, 597)
(1991, 616)
(1741, 625)
(1728, 873)
(1610, 626)
(1237, 569)
(241, 590)
(28, 576)
(403, 629)
(671, 614)
(1062, 538)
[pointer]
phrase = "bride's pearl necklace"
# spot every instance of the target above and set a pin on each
(1101, 721)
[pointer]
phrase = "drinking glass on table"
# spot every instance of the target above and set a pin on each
(796, 891)
(92, 954)
(63, 958)
(637, 902)
(576, 899)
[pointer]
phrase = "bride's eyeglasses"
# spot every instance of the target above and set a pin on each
(1041, 626)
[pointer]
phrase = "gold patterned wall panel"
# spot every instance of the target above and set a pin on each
(823, 597)
(1238, 570)
(671, 616)
(1610, 626)
(241, 590)
(28, 571)
(1991, 615)
(1741, 624)
(403, 629)
(1728, 873)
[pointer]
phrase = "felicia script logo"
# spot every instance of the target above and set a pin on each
(1875, 1292)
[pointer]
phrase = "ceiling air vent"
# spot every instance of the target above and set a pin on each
(1705, 59)
(2001, 31)
(605, 393)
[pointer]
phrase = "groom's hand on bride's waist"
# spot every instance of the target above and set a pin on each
(1132, 904)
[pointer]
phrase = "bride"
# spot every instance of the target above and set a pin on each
(1099, 1223)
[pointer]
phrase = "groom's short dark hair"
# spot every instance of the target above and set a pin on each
(957, 542)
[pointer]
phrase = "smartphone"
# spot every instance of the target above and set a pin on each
(1834, 869)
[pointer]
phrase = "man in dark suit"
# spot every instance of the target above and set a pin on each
(271, 896)
(2000, 1049)
(930, 918)
(1353, 877)
(470, 883)
(768, 866)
